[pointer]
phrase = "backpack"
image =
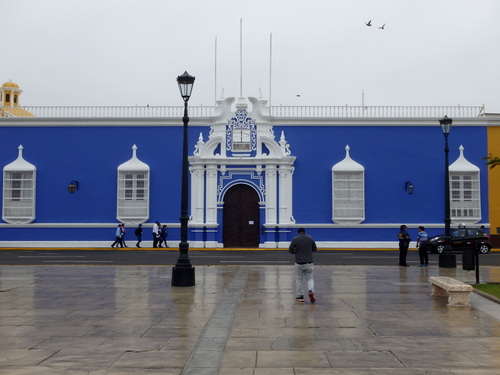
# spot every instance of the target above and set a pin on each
(138, 231)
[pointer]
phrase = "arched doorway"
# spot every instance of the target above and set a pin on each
(241, 217)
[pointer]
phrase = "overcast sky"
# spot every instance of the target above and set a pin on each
(130, 52)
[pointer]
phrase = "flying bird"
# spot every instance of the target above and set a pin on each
(382, 27)
(369, 23)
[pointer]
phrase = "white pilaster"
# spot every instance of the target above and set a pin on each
(211, 200)
(197, 193)
(271, 194)
(285, 194)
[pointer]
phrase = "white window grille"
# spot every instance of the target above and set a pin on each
(133, 191)
(348, 191)
(465, 197)
(19, 183)
(241, 140)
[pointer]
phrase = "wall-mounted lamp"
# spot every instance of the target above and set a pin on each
(409, 187)
(73, 186)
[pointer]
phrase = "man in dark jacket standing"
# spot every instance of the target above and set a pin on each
(303, 246)
(404, 243)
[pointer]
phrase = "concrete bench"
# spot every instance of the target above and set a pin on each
(457, 291)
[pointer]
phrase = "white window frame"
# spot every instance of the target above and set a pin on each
(133, 196)
(465, 197)
(19, 196)
(241, 139)
(348, 191)
(348, 197)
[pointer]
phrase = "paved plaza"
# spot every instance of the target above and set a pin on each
(117, 320)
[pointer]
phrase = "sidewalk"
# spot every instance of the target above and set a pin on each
(115, 320)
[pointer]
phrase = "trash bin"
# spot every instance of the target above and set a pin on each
(469, 259)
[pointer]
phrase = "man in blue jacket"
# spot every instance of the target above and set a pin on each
(303, 246)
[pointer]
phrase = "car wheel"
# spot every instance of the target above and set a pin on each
(484, 249)
(440, 249)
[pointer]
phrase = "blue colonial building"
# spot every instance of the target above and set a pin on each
(349, 175)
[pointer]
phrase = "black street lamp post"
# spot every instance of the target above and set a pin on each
(447, 259)
(183, 271)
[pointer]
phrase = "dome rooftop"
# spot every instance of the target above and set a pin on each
(11, 84)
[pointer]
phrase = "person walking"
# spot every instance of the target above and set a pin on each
(163, 235)
(138, 233)
(118, 236)
(404, 243)
(423, 247)
(156, 234)
(124, 231)
(303, 246)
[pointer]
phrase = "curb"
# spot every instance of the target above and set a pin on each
(486, 295)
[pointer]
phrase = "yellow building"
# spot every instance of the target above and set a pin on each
(9, 97)
(494, 185)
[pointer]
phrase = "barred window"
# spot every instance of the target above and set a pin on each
(133, 191)
(241, 140)
(348, 196)
(348, 191)
(133, 186)
(19, 182)
(465, 194)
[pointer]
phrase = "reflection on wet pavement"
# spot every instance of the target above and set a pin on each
(241, 320)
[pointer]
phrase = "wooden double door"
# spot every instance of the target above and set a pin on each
(241, 217)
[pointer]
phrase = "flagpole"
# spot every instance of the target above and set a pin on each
(270, 68)
(241, 57)
(215, 73)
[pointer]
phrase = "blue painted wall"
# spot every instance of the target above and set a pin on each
(391, 155)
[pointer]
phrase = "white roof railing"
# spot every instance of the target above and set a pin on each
(115, 111)
(274, 111)
(377, 111)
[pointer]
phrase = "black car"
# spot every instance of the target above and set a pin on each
(462, 238)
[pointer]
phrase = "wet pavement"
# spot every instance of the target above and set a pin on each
(241, 320)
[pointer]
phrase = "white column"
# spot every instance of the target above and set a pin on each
(211, 195)
(285, 197)
(197, 193)
(271, 194)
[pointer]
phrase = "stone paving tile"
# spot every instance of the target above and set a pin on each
(364, 359)
(153, 359)
(258, 343)
(131, 343)
(11, 343)
(281, 359)
(32, 370)
(57, 343)
(71, 356)
(372, 371)
(17, 357)
(122, 371)
(484, 358)
(445, 359)
(274, 371)
(239, 359)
